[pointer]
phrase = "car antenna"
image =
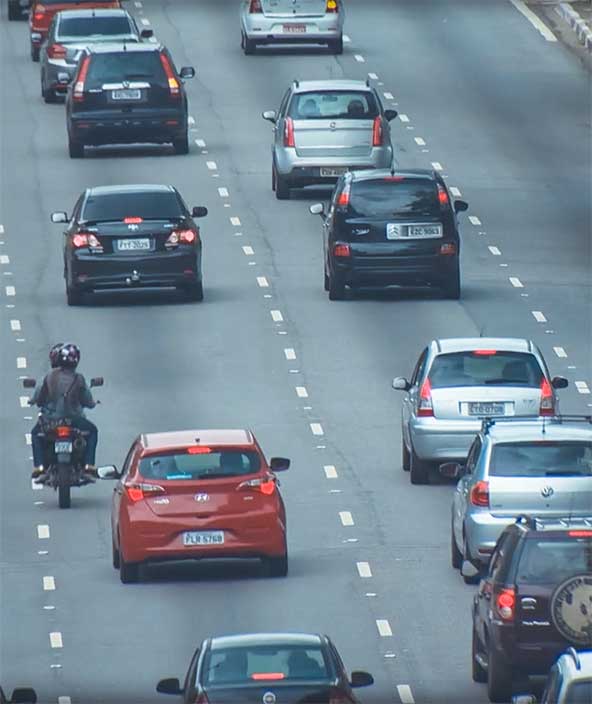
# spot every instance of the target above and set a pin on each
(544, 430)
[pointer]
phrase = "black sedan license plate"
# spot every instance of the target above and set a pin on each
(486, 409)
(133, 245)
(126, 94)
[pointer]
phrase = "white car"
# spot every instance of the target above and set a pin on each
(292, 22)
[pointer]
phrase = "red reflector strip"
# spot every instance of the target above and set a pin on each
(130, 221)
(580, 533)
(484, 353)
(268, 676)
(198, 450)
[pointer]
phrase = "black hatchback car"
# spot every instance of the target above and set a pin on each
(133, 236)
(288, 668)
(534, 602)
(388, 228)
(127, 93)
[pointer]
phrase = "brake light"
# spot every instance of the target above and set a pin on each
(268, 676)
(255, 7)
(342, 250)
(344, 196)
(377, 132)
(63, 431)
(182, 237)
(56, 51)
(332, 6)
(174, 88)
(480, 494)
(85, 239)
(580, 533)
(137, 492)
(424, 405)
(198, 450)
(78, 92)
(504, 603)
(484, 353)
(547, 407)
(132, 221)
(442, 196)
(39, 12)
(264, 485)
(289, 132)
(448, 249)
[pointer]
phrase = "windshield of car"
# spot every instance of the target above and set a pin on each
(552, 560)
(258, 664)
(485, 368)
(208, 463)
(541, 459)
(94, 26)
(333, 105)
(579, 692)
(394, 197)
(110, 207)
(125, 66)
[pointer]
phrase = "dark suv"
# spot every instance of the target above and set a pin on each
(126, 93)
(389, 228)
(535, 601)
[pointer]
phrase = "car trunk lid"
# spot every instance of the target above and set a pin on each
(540, 496)
(474, 402)
(286, 694)
(286, 9)
(133, 236)
(333, 138)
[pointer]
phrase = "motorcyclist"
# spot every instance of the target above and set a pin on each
(64, 393)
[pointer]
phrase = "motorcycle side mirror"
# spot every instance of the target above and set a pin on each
(108, 471)
(29, 382)
(97, 381)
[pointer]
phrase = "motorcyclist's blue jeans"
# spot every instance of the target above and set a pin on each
(37, 441)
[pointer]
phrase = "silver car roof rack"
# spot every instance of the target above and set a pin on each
(489, 422)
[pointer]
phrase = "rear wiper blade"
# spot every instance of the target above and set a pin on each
(505, 381)
(567, 473)
(215, 475)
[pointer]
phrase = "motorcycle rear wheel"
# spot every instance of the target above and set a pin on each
(63, 478)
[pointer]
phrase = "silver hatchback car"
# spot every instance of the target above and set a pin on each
(325, 128)
(292, 22)
(459, 381)
(541, 467)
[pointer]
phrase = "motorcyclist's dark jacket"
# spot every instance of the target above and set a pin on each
(63, 394)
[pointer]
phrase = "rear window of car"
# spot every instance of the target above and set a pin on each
(541, 459)
(213, 464)
(65, 2)
(259, 664)
(385, 198)
(94, 26)
(579, 692)
(485, 368)
(334, 105)
(125, 66)
(117, 206)
(552, 560)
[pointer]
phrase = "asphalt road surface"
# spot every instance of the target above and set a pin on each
(506, 114)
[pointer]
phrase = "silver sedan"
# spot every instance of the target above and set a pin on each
(292, 22)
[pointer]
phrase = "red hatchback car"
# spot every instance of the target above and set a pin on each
(196, 494)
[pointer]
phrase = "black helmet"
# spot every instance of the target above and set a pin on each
(54, 355)
(69, 356)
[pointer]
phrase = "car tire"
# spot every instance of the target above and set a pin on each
(405, 456)
(48, 96)
(282, 187)
(35, 53)
(75, 149)
(63, 480)
(129, 572)
(456, 556)
(477, 672)
(466, 556)
(195, 292)
(451, 288)
(114, 555)
(336, 288)
(73, 296)
(181, 145)
(277, 566)
(14, 11)
(419, 470)
(249, 46)
(336, 45)
(499, 678)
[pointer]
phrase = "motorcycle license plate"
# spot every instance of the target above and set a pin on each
(204, 537)
(62, 447)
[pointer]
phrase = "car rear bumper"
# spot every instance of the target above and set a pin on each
(158, 128)
(53, 67)
(391, 271)
(270, 30)
(443, 440)
(531, 658)
(302, 171)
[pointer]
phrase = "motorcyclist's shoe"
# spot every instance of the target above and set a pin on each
(38, 472)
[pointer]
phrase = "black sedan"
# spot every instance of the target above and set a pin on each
(288, 668)
(125, 237)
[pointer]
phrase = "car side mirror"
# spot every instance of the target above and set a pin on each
(401, 384)
(187, 72)
(361, 679)
(460, 206)
(199, 211)
(64, 79)
(60, 216)
(29, 382)
(559, 382)
(524, 699)
(317, 209)
(23, 695)
(146, 33)
(451, 470)
(169, 686)
(469, 570)
(390, 114)
(279, 464)
(97, 381)
(108, 471)
(270, 116)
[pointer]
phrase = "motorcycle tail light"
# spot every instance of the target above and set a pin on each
(63, 431)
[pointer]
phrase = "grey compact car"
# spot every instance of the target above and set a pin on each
(73, 30)
(292, 22)
(541, 467)
(459, 381)
(325, 128)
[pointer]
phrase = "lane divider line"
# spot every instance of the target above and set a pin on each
(534, 20)
(43, 531)
(474, 220)
(372, 76)
(364, 570)
(64, 700)
(301, 392)
(538, 316)
(330, 471)
(316, 429)
(516, 283)
(346, 518)
(290, 353)
(4, 259)
(28, 438)
(495, 251)
(55, 639)
(21, 362)
(455, 191)
(262, 282)
(437, 166)
(359, 58)
(582, 387)
(223, 192)
(384, 627)
(405, 695)
(10, 290)
(560, 352)
(212, 166)
(388, 96)
(248, 250)
(200, 143)
(15, 325)
(24, 401)
(49, 584)
(419, 141)
(403, 118)
(235, 221)
(145, 21)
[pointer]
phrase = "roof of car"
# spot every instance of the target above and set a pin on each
(93, 12)
(130, 188)
(524, 430)
(186, 438)
(116, 47)
(577, 663)
(247, 639)
(376, 174)
(330, 84)
(501, 344)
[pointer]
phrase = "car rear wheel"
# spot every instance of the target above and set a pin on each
(195, 292)
(34, 53)
(282, 186)
(75, 149)
(73, 296)
(249, 45)
(406, 457)
(336, 288)
(499, 677)
(48, 95)
(181, 145)
(129, 572)
(336, 45)
(478, 673)
(456, 557)
(114, 555)
(419, 470)
(277, 566)
(451, 288)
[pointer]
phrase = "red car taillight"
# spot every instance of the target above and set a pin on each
(448, 249)
(264, 485)
(174, 87)
(289, 133)
(255, 7)
(342, 250)
(138, 492)
(85, 239)
(442, 196)
(63, 431)
(480, 494)
(332, 6)
(377, 132)
(182, 237)
(39, 13)
(505, 602)
(425, 407)
(56, 51)
(78, 92)
(547, 407)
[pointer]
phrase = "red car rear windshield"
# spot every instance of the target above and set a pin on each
(215, 464)
(485, 368)
(542, 459)
(552, 560)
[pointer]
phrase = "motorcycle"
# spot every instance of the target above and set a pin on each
(64, 447)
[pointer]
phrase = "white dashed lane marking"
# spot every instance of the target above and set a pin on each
(21, 362)
(235, 221)
(455, 191)
(200, 143)
(437, 166)
(137, 3)
(330, 471)
(474, 220)
(223, 192)
(301, 392)
(346, 39)
(24, 401)
(36, 487)
(1, 229)
(389, 96)
(248, 250)
(384, 627)
(290, 353)
(276, 316)
(15, 325)
(49, 584)
(64, 700)
(364, 570)
(144, 21)
(4, 259)
(359, 58)
(10, 290)
(405, 695)
(538, 316)
(212, 166)
(317, 429)
(43, 531)
(582, 387)
(55, 639)
(516, 283)
(262, 282)
(373, 76)
(346, 518)
(495, 251)
(28, 438)
(419, 141)
(560, 352)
